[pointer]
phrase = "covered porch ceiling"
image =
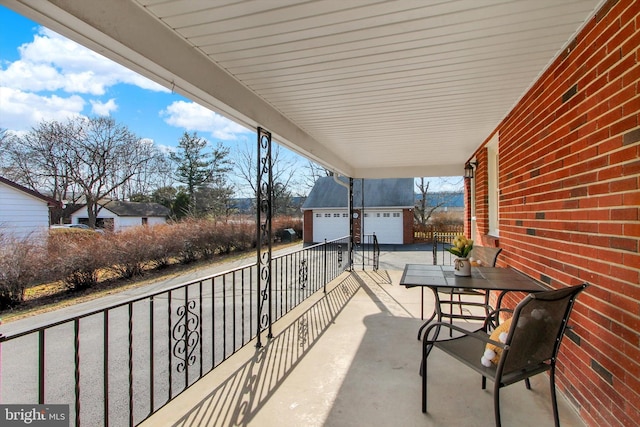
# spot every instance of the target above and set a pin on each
(367, 88)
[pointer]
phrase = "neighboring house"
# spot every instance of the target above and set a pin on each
(118, 215)
(23, 212)
(388, 210)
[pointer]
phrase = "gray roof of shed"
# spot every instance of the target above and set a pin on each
(378, 193)
(122, 208)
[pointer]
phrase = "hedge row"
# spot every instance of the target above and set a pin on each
(80, 258)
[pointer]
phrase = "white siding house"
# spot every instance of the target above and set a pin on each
(118, 215)
(24, 213)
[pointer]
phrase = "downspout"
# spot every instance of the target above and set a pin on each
(340, 182)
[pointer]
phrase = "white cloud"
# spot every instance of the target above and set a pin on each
(51, 62)
(166, 149)
(33, 86)
(23, 110)
(103, 108)
(193, 117)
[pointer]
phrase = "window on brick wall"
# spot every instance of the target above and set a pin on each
(493, 189)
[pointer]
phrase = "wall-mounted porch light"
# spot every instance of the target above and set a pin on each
(469, 169)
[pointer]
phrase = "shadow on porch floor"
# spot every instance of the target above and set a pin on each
(351, 358)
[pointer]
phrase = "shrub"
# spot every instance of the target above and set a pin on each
(283, 222)
(207, 238)
(22, 262)
(188, 232)
(166, 244)
(131, 251)
(79, 257)
(445, 220)
(243, 235)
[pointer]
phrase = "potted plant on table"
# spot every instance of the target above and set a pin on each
(461, 247)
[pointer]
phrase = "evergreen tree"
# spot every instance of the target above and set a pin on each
(202, 173)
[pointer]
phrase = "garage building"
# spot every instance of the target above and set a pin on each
(387, 213)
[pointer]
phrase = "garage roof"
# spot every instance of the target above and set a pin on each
(378, 193)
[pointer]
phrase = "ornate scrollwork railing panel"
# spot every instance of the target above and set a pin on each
(186, 335)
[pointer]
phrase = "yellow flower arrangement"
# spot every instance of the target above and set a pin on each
(461, 246)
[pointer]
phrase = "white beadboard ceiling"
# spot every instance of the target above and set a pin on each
(369, 88)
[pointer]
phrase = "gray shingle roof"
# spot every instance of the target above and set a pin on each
(145, 210)
(121, 208)
(378, 193)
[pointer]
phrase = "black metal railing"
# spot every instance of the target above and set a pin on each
(441, 241)
(368, 251)
(376, 253)
(118, 365)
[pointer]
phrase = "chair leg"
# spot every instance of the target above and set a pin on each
(423, 369)
(554, 400)
(496, 403)
(527, 383)
(451, 311)
(487, 307)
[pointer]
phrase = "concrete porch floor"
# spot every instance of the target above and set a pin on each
(351, 358)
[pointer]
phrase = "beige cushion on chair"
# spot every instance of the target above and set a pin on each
(492, 352)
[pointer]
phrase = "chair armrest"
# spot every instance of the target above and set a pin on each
(477, 334)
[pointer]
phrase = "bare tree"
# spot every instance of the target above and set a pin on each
(283, 175)
(423, 211)
(101, 156)
(426, 206)
(157, 173)
(314, 172)
(6, 142)
(37, 161)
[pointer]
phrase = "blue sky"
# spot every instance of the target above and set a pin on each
(44, 76)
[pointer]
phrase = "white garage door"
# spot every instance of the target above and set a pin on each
(330, 225)
(386, 224)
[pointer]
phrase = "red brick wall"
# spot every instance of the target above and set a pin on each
(570, 206)
(407, 227)
(482, 196)
(307, 227)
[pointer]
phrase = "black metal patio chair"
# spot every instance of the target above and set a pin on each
(531, 346)
(464, 299)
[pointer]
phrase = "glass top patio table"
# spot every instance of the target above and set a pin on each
(487, 278)
(437, 277)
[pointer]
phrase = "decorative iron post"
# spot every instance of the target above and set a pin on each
(264, 200)
(362, 242)
(351, 221)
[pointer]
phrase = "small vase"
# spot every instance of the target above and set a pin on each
(462, 267)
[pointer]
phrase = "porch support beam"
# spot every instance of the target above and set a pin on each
(264, 200)
(351, 225)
